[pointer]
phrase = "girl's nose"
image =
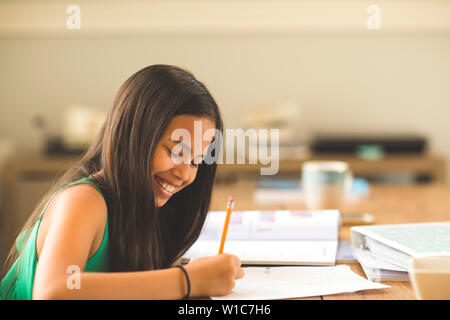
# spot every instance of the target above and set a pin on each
(182, 172)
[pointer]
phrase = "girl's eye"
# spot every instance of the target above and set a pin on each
(194, 164)
(199, 161)
(173, 154)
(178, 156)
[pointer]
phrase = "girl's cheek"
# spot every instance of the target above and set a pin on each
(165, 161)
(192, 179)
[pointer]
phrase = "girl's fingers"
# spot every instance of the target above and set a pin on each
(240, 274)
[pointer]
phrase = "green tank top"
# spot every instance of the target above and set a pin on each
(25, 269)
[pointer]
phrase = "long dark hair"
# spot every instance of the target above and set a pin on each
(141, 235)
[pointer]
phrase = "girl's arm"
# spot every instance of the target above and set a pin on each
(159, 284)
(79, 214)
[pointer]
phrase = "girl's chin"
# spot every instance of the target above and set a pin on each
(160, 202)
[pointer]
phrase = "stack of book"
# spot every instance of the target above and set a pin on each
(384, 251)
(282, 237)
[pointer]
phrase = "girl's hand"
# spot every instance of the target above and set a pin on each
(214, 276)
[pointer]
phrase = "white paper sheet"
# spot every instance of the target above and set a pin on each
(380, 275)
(365, 258)
(260, 283)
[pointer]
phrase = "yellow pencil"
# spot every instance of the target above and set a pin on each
(230, 205)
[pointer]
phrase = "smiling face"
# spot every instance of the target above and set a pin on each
(168, 176)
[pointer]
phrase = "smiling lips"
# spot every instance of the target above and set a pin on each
(166, 186)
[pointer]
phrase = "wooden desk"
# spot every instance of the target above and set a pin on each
(388, 204)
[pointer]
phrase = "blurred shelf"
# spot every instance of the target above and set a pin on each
(432, 166)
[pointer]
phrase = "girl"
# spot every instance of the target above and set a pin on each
(126, 211)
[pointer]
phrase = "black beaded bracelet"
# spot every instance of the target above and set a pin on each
(188, 282)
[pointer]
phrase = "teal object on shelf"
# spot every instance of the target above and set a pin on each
(370, 151)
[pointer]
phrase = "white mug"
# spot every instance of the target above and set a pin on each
(325, 184)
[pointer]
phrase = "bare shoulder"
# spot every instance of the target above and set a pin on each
(80, 206)
(84, 201)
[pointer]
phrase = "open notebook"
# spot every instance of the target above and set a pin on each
(272, 237)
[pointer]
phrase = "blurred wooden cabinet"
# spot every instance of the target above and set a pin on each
(25, 180)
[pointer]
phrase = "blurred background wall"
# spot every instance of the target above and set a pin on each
(345, 77)
(343, 83)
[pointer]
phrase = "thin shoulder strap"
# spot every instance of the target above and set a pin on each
(79, 181)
